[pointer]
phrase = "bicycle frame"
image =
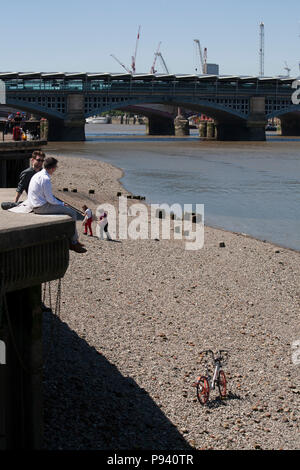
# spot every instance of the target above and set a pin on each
(208, 382)
(212, 380)
(215, 376)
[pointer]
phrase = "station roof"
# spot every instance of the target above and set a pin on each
(52, 75)
(8, 75)
(228, 78)
(106, 76)
(29, 75)
(98, 76)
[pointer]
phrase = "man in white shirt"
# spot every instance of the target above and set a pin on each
(42, 200)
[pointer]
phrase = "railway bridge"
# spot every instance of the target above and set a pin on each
(239, 105)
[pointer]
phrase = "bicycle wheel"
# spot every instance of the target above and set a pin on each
(202, 390)
(222, 384)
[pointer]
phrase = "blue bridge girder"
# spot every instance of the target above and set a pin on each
(224, 98)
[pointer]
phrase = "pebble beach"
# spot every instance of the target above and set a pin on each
(123, 349)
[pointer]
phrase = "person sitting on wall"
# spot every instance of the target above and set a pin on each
(36, 164)
(43, 202)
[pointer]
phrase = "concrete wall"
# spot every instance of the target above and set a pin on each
(33, 249)
(14, 158)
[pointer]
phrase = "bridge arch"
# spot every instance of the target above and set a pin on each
(231, 124)
(290, 120)
(34, 108)
(215, 110)
(292, 109)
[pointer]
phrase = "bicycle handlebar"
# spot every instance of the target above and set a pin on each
(219, 354)
(207, 351)
(221, 351)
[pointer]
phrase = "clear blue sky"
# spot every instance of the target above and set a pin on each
(78, 35)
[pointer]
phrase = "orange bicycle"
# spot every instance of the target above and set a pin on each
(205, 383)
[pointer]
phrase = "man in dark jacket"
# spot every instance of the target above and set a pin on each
(36, 164)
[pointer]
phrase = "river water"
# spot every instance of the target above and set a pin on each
(248, 187)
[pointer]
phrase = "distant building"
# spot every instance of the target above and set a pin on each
(212, 69)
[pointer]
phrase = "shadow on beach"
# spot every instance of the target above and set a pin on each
(217, 402)
(89, 404)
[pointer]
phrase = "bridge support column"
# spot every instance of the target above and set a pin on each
(290, 125)
(66, 131)
(181, 124)
(207, 130)
(70, 129)
(252, 129)
(203, 129)
(158, 125)
(235, 130)
(211, 130)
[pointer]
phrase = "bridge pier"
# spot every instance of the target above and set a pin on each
(207, 130)
(70, 129)
(203, 129)
(290, 124)
(181, 124)
(252, 129)
(236, 131)
(158, 125)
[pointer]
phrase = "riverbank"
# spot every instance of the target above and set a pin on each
(136, 313)
(248, 188)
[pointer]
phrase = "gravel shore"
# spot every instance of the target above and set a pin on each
(124, 350)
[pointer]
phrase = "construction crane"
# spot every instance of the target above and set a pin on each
(133, 58)
(205, 60)
(162, 60)
(262, 49)
(202, 56)
(119, 62)
(152, 70)
(287, 68)
(135, 52)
